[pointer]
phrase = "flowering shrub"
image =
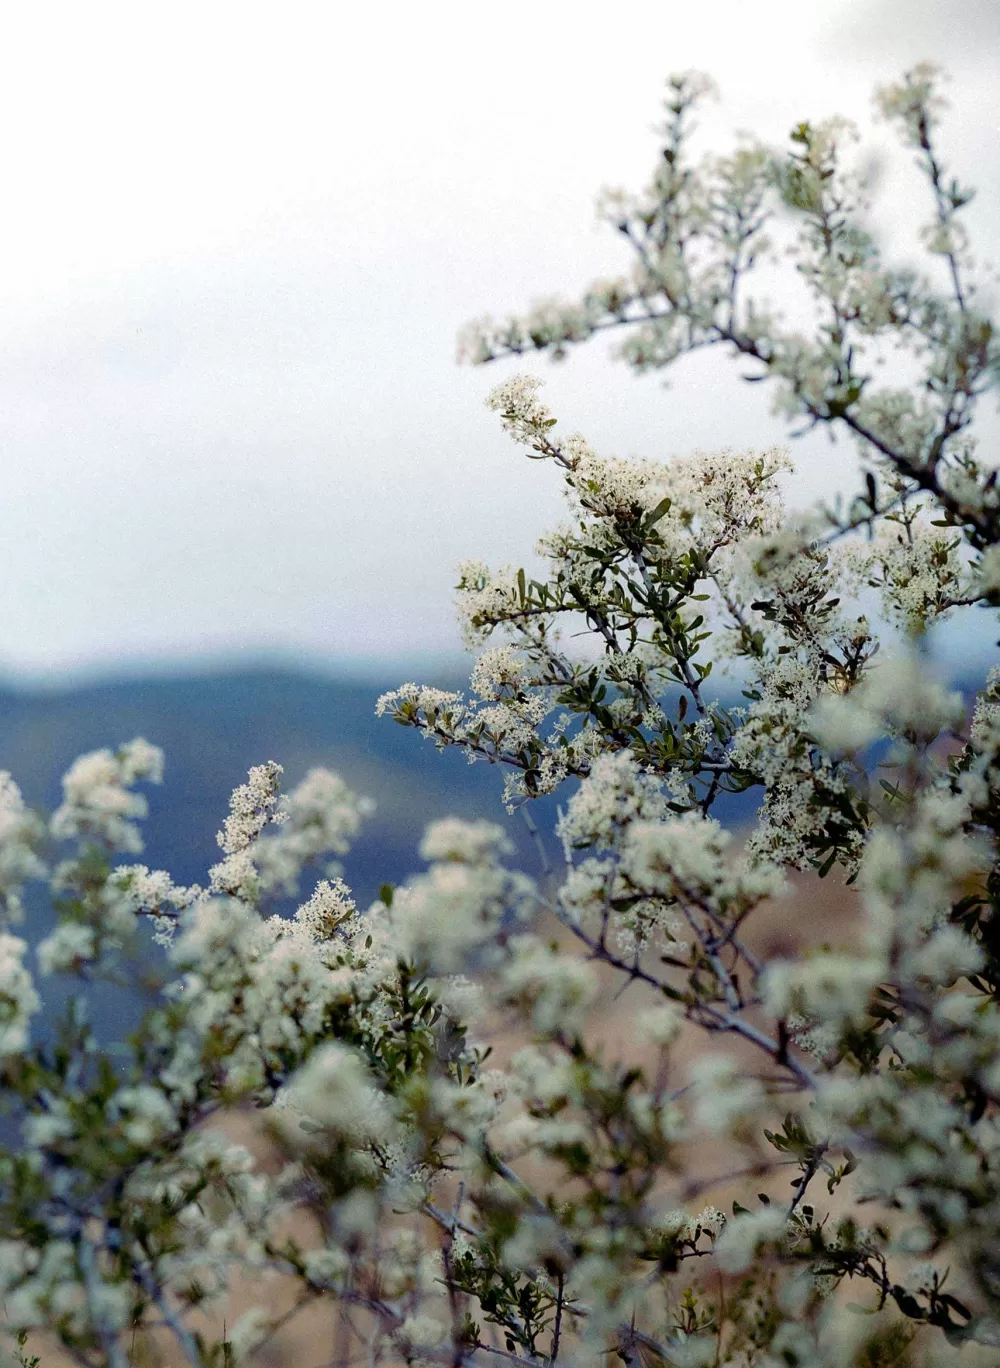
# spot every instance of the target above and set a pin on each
(560, 1203)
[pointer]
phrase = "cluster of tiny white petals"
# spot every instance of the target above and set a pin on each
(685, 859)
(252, 806)
(614, 795)
(917, 568)
(896, 696)
(68, 946)
(144, 1112)
(135, 889)
(485, 598)
(498, 670)
(97, 801)
(829, 987)
(682, 857)
(421, 696)
(20, 833)
(332, 1094)
(450, 838)
(18, 998)
(330, 908)
(912, 99)
(740, 1241)
(442, 917)
(660, 1025)
(774, 744)
(987, 572)
(319, 818)
(521, 411)
(504, 727)
(723, 1097)
(554, 988)
(249, 1333)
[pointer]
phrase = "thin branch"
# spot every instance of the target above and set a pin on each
(181, 1333)
(106, 1334)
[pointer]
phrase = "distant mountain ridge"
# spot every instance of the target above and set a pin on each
(213, 727)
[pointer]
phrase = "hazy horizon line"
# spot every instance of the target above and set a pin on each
(960, 649)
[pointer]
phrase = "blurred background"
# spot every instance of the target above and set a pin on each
(238, 462)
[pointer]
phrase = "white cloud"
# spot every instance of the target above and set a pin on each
(236, 246)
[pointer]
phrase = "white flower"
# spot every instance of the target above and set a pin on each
(947, 955)
(826, 987)
(320, 817)
(902, 692)
(498, 670)
(710, 1219)
(110, 1305)
(421, 1331)
(330, 907)
(442, 917)
(723, 1099)
(538, 1242)
(522, 413)
(249, 1332)
(251, 807)
(420, 697)
(988, 570)
(70, 945)
(680, 857)
(139, 759)
(18, 999)
(333, 1093)
(20, 832)
(40, 1129)
(742, 1237)
(840, 723)
(922, 1277)
(145, 1113)
(615, 794)
(325, 1266)
(660, 1025)
(554, 986)
(97, 802)
(912, 99)
(466, 842)
(918, 570)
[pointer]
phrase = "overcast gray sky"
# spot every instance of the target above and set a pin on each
(237, 241)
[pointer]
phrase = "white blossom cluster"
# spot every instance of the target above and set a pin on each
(21, 832)
(97, 800)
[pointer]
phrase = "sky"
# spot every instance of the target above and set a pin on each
(238, 241)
